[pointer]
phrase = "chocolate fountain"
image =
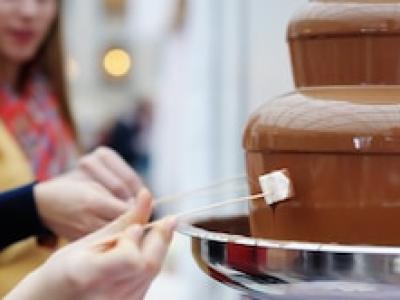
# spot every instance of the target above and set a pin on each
(338, 135)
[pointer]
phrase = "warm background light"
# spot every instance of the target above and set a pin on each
(117, 62)
(116, 7)
(73, 68)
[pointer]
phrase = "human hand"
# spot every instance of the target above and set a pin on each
(116, 262)
(72, 208)
(107, 168)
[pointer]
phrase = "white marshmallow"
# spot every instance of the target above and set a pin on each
(276, 186)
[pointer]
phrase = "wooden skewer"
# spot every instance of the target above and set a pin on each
(276, 187)
(208, 189)
(208, 207)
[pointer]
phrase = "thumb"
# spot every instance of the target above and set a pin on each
(109, 208)
(138, 214)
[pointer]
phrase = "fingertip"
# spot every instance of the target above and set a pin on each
(141, 210)
(144, 199)
(135, 214)
(171, 223)
(134, 232)
(155, 245)
(137, 182)
(167, 227)
(144, 194)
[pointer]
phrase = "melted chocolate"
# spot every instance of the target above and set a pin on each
(342, 149)
(339, 43)
(341, 145)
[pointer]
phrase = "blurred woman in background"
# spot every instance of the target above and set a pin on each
(37, 133)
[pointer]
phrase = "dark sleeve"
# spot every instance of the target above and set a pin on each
(19, 218)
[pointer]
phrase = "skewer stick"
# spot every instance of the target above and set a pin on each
(208, 189)
(276, 187)
(208, 207)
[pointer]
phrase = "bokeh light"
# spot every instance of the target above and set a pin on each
(117, 62)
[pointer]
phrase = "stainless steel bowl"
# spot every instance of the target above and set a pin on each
(268, 269)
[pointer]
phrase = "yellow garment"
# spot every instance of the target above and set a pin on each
(21, 258)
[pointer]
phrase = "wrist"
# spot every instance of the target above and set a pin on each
(55, 283)
(41, 284)
(45, 236)
(39, 192)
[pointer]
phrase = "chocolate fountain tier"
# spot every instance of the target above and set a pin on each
(337, 42)
(274, 270)
(341, 146)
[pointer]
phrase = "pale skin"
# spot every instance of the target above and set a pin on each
(102, 186)
(84, 199)
(116, 262)
(24, 24)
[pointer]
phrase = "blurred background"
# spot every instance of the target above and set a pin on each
(169, 84)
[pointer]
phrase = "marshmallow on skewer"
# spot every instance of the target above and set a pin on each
(276, 186)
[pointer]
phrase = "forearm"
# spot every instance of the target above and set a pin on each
(29, 288)
(19, 218)
(41, 284)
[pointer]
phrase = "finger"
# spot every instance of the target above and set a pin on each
(121, 169)
(132, 202)
(132, 288)
(89, 225)
(93, 224)
(120, 255)
(155, 245)
(134, 233)
(104, 176)
(139, 214)
(109, 208)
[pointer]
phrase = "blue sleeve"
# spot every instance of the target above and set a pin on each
(19, 218)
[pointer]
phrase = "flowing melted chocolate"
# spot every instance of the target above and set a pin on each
(341, 145)
(340, 198)
(342, 149)
(346, 43)
(355, 59)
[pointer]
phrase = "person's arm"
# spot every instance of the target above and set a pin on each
(94, 193)
(116, 262)
(19, 217)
